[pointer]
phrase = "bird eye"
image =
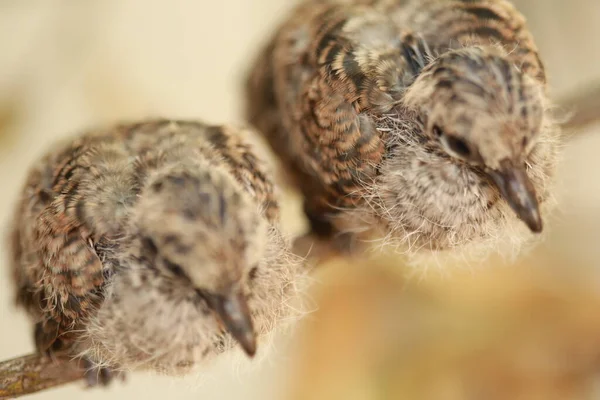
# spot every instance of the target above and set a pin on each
(457, 146)
(149, 247)
(253, 273)
(202, 294)
(175, 269)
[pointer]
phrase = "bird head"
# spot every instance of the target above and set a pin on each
(481, 110)
(196, 225)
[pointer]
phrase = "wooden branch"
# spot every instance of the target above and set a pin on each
(35, 372)
(584, 106)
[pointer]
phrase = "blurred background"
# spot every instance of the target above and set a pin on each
(379, 330)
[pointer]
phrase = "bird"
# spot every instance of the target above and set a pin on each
(151, 245)
(424, 125)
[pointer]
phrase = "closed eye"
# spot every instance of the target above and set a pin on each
(457, 146)
(175, 269)
(253, 273)
(203, 295)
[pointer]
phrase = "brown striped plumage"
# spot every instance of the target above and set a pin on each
(142, 245)
(409, 117)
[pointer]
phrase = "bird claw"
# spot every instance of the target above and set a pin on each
(100, 376)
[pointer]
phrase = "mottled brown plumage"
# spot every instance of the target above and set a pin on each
(151, 245)
(409, 118)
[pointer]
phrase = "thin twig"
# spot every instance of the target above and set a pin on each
(35, 372)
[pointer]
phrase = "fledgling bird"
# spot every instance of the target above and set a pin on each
(423, 122)
(153, 245)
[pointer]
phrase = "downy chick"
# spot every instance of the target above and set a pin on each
(153, 245)
(425, 123)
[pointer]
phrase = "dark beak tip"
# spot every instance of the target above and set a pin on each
(234, 313)
(248, 344)
(518, 190)
(532, 218)
(536, 226)
(250, 350)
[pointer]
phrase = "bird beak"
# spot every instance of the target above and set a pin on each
(517, 189)
(234, 313)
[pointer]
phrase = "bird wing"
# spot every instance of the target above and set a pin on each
(338, 145)
(61, 275)
(316, 88)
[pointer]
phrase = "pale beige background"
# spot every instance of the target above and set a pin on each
(66, 65)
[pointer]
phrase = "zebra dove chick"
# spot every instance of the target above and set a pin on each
(422, 122)
(153, 245)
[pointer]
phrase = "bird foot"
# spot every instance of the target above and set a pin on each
(99, 376)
